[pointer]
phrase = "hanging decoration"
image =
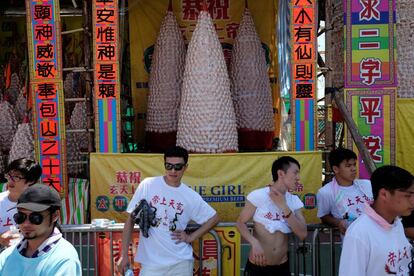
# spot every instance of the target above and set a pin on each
(304, 85)
(107, 80)
(370, 77)
(45, 68)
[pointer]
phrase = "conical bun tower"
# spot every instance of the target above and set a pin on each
(207, 123)
(22, 143)
(251, 89)
(8, 125)
(165, 82)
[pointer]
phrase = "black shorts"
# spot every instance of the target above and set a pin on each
(268, 270)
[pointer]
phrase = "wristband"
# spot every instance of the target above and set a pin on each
(288, 215)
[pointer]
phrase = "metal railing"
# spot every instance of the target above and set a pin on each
(84, 238)
(304, 257)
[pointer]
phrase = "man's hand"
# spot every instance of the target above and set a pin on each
(7, 237)
(257, 256)
(342, 225)
(279, 199)
(180, 236)
(123, 265)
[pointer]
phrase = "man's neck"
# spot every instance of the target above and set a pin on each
(343, 182)
(34, 244)
(13, 197)
(172, 184)
(382, 211)
(281, 188)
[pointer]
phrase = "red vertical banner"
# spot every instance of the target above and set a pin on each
(304, 80)
(107, 75)
(45, 67)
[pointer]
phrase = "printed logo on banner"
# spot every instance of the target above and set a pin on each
(120, 203)
(102, 203)
(309, 201)
(221, 193)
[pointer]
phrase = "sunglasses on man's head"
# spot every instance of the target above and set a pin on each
(177, 167)
(34, 218)
(13, 178)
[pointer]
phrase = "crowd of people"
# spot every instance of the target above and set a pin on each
(366, 212)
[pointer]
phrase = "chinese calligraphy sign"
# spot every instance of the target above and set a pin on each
(374, 115)
(106, 64)
(304, 57)
(43, 24)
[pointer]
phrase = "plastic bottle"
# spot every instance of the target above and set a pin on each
(129, 272)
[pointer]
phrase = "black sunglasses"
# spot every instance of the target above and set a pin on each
(177, 167)
(34, 218)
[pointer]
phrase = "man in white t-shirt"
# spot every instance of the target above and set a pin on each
(20, 174)
(343, 199)
(275, 213)
(168, 250)
(375, 243)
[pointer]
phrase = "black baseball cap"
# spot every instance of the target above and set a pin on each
(38, 198)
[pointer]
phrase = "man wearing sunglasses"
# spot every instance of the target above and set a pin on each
(167, 250)
(375, 243)
(20, 174)
(43, 250)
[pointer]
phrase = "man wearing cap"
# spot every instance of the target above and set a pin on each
(42, 250)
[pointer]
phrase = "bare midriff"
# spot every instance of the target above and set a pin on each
(275, 245)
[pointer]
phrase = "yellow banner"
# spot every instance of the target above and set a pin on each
(145, 17)
(223, 180)
(405, 133)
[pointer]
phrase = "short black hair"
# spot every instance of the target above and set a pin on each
(30, 170)
(176, 151)
(282, 163)
(390, 178)
(340, 154)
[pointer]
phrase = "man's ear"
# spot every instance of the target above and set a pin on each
(383, 193)
(56, 215)
(280, 173)
(30, 183)
(335, 169)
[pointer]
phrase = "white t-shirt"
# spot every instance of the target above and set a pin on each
(6, 217)
(180, 203)
(370, 250)
(267, 212)
(341, 200)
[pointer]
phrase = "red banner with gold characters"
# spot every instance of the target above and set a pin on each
(106, 64)
(44, 39)
(304, 57)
